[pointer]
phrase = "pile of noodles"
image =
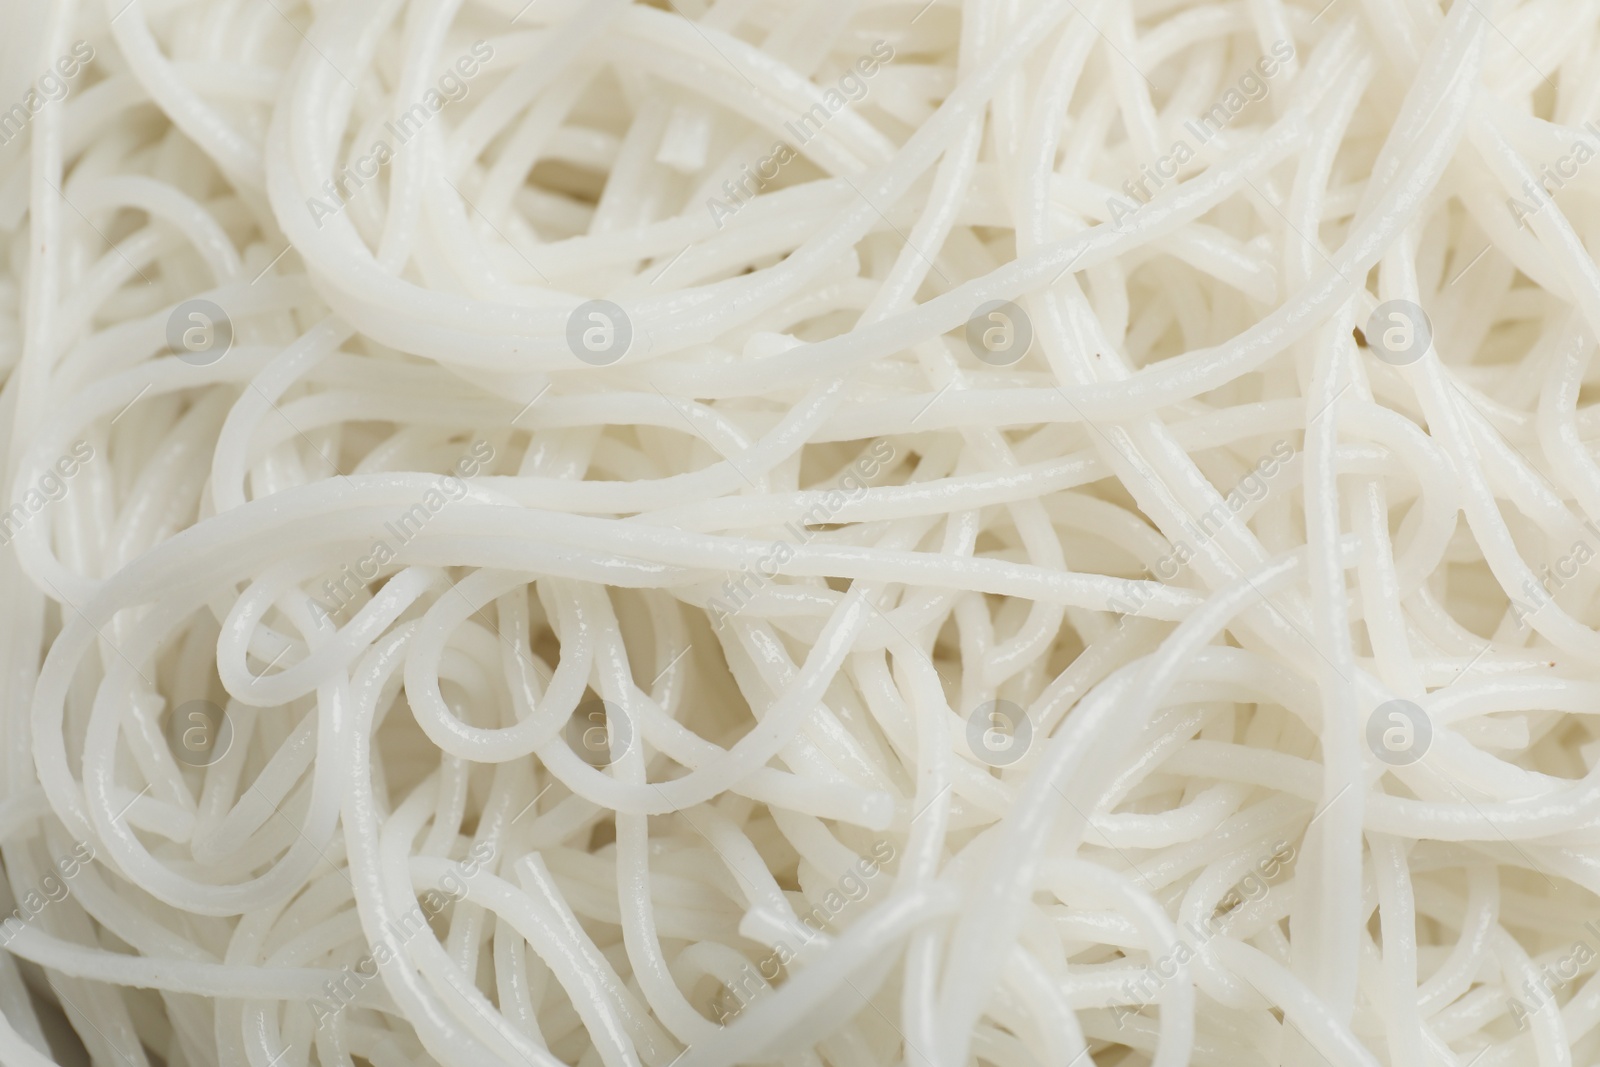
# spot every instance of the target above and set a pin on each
(1015, 532)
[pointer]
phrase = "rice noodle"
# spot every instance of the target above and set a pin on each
(701, 533)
